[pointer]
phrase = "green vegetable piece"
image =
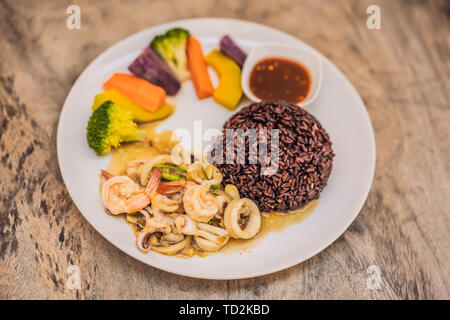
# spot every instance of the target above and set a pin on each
(215, 186)
(109, 126)
(171, 177)
(171, 46)
(168, 167)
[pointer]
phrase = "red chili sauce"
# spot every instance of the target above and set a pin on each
(280, 79)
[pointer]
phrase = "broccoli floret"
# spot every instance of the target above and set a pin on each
(172, 48)
(109, 125)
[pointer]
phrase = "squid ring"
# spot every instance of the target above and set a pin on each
(173, 248)
(211, 238)
(233, 213)
(142, 239)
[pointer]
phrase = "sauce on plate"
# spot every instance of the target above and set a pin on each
(280, 79)
(270, 222)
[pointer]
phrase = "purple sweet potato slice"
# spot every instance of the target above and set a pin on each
(151, 67)
(231, 49)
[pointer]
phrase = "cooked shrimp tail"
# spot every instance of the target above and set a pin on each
(164, 189)
(107, 175)
(153, 182)
(174, 186)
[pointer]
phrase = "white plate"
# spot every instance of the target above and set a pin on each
(338, 107)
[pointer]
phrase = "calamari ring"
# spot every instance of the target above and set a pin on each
(232, 216)
(142, 239)
(173, 248)
(211, 238)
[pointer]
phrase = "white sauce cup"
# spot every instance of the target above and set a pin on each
(303, 56)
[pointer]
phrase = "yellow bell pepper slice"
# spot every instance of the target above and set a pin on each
(229, 91)
(140, 115)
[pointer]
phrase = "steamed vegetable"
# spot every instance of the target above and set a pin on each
(140, 115)
(109, 126)
(231, 49)
(151, 67)
(171, 173)
(229, 92)
(166, 166)
(171, 177)
(142, 92)
(197, 67)
(171, 46)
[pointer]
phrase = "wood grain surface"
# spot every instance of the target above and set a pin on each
(401, 72)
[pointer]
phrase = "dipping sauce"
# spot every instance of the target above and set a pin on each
(280, 79)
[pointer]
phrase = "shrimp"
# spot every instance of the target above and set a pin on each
(199, 203)
(120, 194)
(107, 175)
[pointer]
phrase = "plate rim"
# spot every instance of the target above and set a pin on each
(318, 248)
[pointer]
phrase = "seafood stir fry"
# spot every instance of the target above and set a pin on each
(179, 209)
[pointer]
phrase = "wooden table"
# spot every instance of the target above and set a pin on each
(401, 72)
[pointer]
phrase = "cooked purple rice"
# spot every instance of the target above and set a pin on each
(305, 157)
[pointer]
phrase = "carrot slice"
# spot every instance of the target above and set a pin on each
(142, 92)
(197, 67)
